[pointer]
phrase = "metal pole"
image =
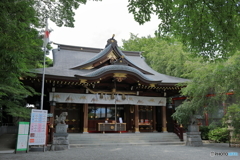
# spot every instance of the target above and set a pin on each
(115, 115)
(43, 76)
(115, 106)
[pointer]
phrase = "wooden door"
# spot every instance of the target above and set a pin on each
(74, 118)
(129, 111)
(145, 118)
(158, 119)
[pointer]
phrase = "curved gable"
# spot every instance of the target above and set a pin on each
(111, 55)
(117, 71)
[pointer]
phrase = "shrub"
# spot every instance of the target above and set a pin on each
(219, 135)
(204, 132)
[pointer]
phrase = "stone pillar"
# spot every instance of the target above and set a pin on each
(164, 119)
(85, 118)
(194, 136)
(154, 119)
(60, 138)
(136, 119)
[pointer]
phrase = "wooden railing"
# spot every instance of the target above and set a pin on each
(8, 130)
(178, 130)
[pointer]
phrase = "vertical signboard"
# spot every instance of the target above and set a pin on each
(22, 138)
(37, 135)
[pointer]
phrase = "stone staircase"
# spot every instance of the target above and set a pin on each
(8, 143)
(123, 139)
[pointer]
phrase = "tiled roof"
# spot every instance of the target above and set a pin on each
(99, 55)
(65, 59)
(120, 68)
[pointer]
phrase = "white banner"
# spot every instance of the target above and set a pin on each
(38, 128)
(22, 137)
(106, 99)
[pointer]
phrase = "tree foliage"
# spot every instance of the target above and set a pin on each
(210, 80)
(209, 87)
(20, 45)
(210, 28)
(207, 28)
(166, 57)
(19, 50)
(21, 42)
(232, 118)
(219, 135)
(61, 12)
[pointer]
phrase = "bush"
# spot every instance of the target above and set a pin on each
(219, 135)
(204, 132)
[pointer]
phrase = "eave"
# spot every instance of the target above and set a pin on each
(113, 70)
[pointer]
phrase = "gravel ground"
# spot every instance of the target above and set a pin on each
(130, 152)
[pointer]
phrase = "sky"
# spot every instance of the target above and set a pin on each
(96, 22)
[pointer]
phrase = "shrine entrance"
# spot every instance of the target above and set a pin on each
(87, 116)
(103, 113)
(98, 114)
(144, 118)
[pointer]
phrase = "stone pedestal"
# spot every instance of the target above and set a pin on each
(60, 138)
(193, 136)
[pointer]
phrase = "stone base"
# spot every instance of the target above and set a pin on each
(194, 139)
(193, 128)
(55, 147)
(61, 128)
(60, 142)
(60, 135)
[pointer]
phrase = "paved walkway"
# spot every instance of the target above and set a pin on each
(130, 152)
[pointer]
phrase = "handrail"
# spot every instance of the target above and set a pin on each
(179, 131)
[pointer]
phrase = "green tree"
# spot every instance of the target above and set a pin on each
(216, 79)
(60, 12)
(232, 118)
(21, 42)
(209, 28)
(19, 50)
(48, 63)
(166, 57)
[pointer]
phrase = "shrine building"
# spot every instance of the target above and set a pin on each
(106, 90)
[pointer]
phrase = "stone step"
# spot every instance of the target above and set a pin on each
(130, 138)
(8, 143)
(126, 139)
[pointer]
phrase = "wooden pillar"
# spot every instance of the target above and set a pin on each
(85, 118)
(164, 119)
(52, 108)
(154, 119)
(206, 117)
(51, 121)
(136, 119)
